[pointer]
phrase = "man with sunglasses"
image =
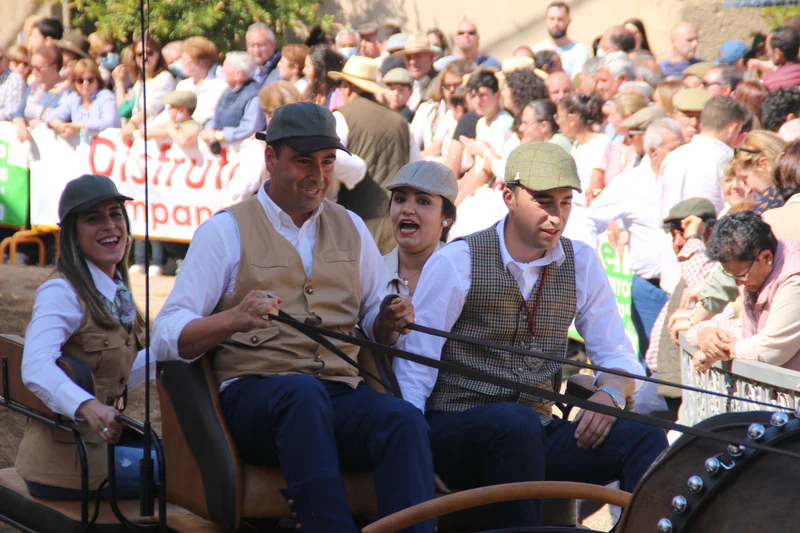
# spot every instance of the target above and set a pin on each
(467, 45)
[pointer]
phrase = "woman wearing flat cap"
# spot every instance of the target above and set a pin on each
(85, 311)
(422, 211)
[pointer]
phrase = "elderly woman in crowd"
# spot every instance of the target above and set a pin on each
(199, 57)
(44, 95)
(320, 60)
(767, 271)
(90, 109)
(422, 211)
(149, 69)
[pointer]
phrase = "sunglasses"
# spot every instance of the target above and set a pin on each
(467, 33)
(85, 80)
(451, 87)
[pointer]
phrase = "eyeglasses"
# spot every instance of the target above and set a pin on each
(743, 277)
(85, 80)
(708, 84)
(451, 87)
(467, 32)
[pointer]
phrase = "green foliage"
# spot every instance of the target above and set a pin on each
(223, 21)
(775, 16)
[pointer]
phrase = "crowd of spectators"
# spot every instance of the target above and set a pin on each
(675, 144)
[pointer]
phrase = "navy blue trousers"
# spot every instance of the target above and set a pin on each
(313, 429)
(506, 442)
(646, 303)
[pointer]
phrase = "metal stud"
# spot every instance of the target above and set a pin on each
(755, 431)
(664, 526)
(712, 465)
(735, 450)
(695, 484)
(779, 419)
(679, 504)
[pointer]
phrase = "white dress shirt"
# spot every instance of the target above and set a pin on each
(212, 264)
(445, 283)
(633, 198)
(208, 93)
(57, 316)
(692, 171)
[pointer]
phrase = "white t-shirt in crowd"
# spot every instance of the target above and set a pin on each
(573, 55)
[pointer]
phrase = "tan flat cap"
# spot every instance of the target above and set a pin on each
(542, 166)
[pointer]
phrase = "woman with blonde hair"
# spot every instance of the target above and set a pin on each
(754, 160)
(277, 94)
(665, 91)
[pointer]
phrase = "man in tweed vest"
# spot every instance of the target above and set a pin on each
(520, 283)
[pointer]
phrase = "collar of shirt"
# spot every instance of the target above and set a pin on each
(704, 142)
(278, 216)
(104, 284)
(392, 262)
(517, 269)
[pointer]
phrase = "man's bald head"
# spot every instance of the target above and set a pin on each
(684, 37)
(559, 86)
(467, 39)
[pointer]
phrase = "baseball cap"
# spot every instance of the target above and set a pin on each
(82, 193)
(699, 207)
(732, 51)
(305, 126)
(427, 176)
(542, 166)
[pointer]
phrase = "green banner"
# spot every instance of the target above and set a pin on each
(620, 277)
(14, 189)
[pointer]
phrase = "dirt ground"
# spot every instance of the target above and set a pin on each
(18, 286)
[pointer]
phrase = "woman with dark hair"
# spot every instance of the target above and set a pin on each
(636, 28)
(84, 311)
(767, 271)
(578, 114)
(422, 211)
(322, 90)
(538, 124)
(783, 220)
(149, 69)
(438, 40)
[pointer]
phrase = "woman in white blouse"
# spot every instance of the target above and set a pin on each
(577, 116)
(155, 77)
(422, 211)
(84, 311)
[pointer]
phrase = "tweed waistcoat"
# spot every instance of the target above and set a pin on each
(381, 138)
(230, 108)
(48, 455)
(494, 310)
(332, 293)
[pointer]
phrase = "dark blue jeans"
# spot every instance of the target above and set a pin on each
(506, 442)
(646, 302)
(126, 472)
(313, 429)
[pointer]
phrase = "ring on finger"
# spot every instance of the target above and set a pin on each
(105, 430)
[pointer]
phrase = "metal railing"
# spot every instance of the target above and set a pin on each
(745, 379)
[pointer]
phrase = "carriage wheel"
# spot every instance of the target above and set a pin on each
(495, 494)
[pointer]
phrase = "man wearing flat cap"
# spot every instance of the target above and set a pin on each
(288, 401)
(379, 136)
(520, 283)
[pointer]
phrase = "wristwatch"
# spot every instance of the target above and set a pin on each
(616, 396)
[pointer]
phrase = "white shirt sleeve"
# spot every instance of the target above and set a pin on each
(597, 318)
(374, 277)
(342, 129)
(57, 315)
(438, 302)
(414, 153)
(208, 273)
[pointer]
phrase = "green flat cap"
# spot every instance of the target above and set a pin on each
(181, 99)
(690, 100)
(305, 126)
(398, 75)
(642, 118)
(699, 207)
(427, 176)
(542, 166)
(82, 193)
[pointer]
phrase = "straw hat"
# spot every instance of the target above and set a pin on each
(76, 43)
(417, 43)
(361, 72)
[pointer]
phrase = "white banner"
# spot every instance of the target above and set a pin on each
(186, 187)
